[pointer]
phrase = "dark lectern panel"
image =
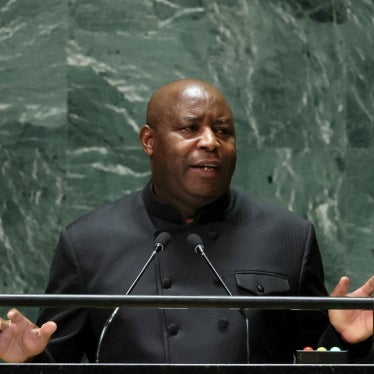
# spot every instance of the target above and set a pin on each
(183, 369)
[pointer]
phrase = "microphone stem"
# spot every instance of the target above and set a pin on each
(141, 271)
(216, 273)
(199, 249)
(242, 312)
(158, 247)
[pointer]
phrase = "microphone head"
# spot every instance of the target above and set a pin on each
(162, 240)
(196, 243)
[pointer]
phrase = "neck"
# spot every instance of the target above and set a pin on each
(166, 210)
(187, 213)
(187, 210)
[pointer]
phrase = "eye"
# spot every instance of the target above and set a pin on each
(190, 128)
(223, 130)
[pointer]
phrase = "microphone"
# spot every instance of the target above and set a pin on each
(161, 241)
(159, 244)
(196, 243)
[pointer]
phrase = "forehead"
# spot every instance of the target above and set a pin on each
(196, 98)
(192, 92)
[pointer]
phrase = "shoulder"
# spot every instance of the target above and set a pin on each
(109, 215)
(110, 228)
(253, 209)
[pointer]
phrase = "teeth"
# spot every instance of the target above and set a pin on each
(207, 167)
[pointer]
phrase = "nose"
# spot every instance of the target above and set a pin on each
(208, 139)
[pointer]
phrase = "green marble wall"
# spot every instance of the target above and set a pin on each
(76, 76)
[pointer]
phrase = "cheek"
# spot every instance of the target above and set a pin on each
(168, 160)
(175, 151)
(230, 152)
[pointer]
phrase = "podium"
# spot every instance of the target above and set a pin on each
(158, 301)
(182, 369)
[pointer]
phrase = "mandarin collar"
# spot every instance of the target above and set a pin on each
(158, 210)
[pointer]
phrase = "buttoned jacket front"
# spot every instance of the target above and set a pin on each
(257, 248)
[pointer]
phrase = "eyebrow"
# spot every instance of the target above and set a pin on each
(222, 120)
(192, 118)
(225, 120)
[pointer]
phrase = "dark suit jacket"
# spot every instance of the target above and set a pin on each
(258, 249)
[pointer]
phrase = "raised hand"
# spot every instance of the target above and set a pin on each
(20, 339)
(353, 325)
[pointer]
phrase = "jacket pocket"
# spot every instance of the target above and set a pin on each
(261, 282)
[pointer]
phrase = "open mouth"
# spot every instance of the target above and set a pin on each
(206, 166)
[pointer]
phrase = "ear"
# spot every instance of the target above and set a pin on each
(146, 139)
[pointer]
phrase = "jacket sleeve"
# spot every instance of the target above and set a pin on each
(311, 324)
(73, 339)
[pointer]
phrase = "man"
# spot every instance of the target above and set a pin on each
(258, 249)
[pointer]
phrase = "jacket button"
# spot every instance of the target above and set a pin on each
(166, 282)
(223, 323)
(260, 288)
(173, 329)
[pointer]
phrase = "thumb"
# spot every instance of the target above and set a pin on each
(47, 329)
(341, 288)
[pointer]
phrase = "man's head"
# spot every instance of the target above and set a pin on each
(190, 140)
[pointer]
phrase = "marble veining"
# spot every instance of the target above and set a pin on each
(76, 76)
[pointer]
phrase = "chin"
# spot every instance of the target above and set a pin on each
(209, 191)
(208, 196)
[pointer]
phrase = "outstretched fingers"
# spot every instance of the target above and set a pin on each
(367, 288)
(21, 338)
(341, 288)
(4, 324)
